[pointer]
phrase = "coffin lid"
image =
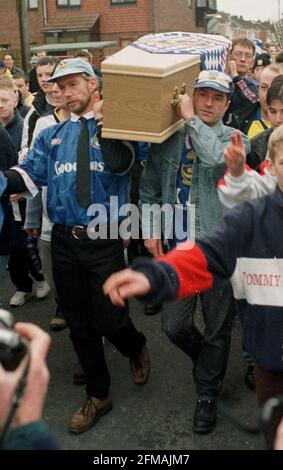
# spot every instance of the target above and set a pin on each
(160, 55)
(133, 61)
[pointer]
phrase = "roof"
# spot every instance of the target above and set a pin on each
(78, 22)
(73, 45)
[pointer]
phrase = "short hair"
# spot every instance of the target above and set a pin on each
(245, 42)
(9, 53)
(275, 143)
(279, 57)
(48, 60)
(275, 91)
(98, 80)
(84, 53)
(7, 83)
(19, 75)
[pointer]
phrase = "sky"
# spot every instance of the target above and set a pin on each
(252, 9)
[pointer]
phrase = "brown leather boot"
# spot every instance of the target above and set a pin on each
(140, 367)
(86, 417)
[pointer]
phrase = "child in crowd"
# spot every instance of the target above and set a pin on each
(246, 249)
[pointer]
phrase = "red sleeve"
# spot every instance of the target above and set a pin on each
(191, 267)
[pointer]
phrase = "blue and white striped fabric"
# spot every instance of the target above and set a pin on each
(3, 184)
(212, 49)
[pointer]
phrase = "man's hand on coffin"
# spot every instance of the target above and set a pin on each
(98, 106)
(185, 108)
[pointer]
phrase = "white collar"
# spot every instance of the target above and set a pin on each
(75, 117)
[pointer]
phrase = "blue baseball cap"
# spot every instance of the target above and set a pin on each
(214, 79)
(34, 60)
(71, 67)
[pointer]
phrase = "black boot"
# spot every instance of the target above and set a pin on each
(205, 416)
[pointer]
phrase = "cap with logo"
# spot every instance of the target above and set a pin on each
(71, 67)
(214, 79)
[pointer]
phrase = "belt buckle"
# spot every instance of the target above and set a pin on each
(74, 234)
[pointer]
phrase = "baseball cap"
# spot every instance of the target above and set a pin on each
(34, 60)
(71, 67)
(216, 80)
(261, 60)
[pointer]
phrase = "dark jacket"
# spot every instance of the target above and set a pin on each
(41, 107)
(22, 107)
(15, 130)
(33, 82)
(32, 436)
(8, 158)
(242, 118)
(245, 249)
(258, 149)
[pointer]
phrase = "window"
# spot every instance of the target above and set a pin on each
(190, 3)
(212, 5)
(68, 3)
(121, 2)
(201, 3)
(33, 4)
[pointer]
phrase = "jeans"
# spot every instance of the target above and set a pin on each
(210, 351)
(80, 267)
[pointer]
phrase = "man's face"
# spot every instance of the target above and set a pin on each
(264, 84)
(41, 54)
(243, 56)
(8, 103)
(8, 61)
(276, 167)
(58, 98)
(77, 92)
(44, 72)
(22, 86)
(210, 105)
(275, 113)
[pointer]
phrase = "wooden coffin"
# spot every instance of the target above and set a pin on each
(138, 89)
(139, 81)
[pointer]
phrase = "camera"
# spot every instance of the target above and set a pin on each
(12, 346)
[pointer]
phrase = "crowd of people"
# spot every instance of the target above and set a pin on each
(55, 164)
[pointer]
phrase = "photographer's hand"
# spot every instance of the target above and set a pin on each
(32, 402)
(279, 437)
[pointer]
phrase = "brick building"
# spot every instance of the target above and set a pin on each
(79, 21)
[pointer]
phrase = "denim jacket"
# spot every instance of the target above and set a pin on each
(158, 181)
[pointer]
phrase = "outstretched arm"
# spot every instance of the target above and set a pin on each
(241, 183)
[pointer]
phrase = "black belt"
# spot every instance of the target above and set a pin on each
(79, 232)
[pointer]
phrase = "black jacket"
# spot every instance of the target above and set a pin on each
(8, 158)
(41, 107)
(258, 149)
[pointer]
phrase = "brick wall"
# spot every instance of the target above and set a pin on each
(117, 22)
(9, 31)
(175, 16)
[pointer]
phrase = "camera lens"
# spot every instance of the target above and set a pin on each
(12, 346)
